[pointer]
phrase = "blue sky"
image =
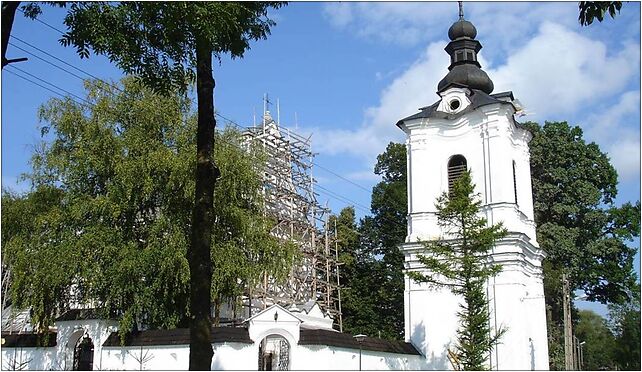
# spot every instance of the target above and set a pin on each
(349, 71)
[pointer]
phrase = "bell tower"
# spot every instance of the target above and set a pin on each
(471, 128)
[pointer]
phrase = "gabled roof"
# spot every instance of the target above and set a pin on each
(477, 99)
(28, 340)
(262, 314)
(178, 336)
(346, 340)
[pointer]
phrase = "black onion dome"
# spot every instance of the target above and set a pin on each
(464, 67)
(469, 75)
(462, 28)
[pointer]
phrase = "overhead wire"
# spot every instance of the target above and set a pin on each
(44, 60)
(345, 200)
(218, 114)
(77, 99)
(48, 83)
(56, 58)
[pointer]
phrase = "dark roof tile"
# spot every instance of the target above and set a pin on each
(178, 336)
(477, 98)
(28, 340)
(346, 340)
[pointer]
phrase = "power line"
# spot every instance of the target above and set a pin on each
(56, 58)
(51, 84)
(361, 206)
(42, 86)
(336, 196)
(44, 60)
(315, 164)
(43, 22)
(221, 116)
(97, 78)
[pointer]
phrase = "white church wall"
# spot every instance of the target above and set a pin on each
(29, 358)
(321, 357)
(227, 356)
(432, 338)
(156, 357)
(70, 331)
(489, 140)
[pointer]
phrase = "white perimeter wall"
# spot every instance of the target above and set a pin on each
(321, 357)
(36, 358)
(227, 356)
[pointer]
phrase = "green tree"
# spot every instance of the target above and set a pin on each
(372, 301)
(583, 232)
(108, 220)
(624, 322)
(167, 44)
(599, 347)
(348, 246)
(389, 208)
(459, 262)
(627, 350)
(590, 10)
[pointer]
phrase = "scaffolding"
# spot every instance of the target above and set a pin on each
(291, 202)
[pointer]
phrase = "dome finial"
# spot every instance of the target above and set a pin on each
(461, 10)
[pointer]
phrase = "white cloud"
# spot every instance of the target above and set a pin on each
(607, 123)
(625, 157)
(502, 25)
(413, 89)
(556, 73)
(367, 175)
(559, 70)
(339, 14)
(618, 128)
(406, 23)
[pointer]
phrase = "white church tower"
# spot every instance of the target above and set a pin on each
(470, 128)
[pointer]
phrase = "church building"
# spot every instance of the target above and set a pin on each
(468, 128)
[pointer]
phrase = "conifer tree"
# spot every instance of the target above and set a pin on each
(459, 261)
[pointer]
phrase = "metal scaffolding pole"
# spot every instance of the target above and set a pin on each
(291, 201)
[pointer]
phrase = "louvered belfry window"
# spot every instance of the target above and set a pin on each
(456, 167)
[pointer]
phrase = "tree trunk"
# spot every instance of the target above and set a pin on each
(8, 13)
(217, 312)
(200, 263)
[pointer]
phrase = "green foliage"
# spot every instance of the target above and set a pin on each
(599, 349)
(627, 351)
(372, 299)
(242, 250)
(589, 10)
(459, 262)
(578, 225)
(107, 222)
(168, 45)
(157, 41)
(624, 322)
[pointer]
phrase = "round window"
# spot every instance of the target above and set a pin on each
(454, 104)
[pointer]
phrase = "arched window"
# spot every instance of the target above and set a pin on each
(456, 167)
(514, 182)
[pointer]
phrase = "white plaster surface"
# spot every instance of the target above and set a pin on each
(489, 140)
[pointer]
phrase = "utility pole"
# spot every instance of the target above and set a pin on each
(568, 327)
